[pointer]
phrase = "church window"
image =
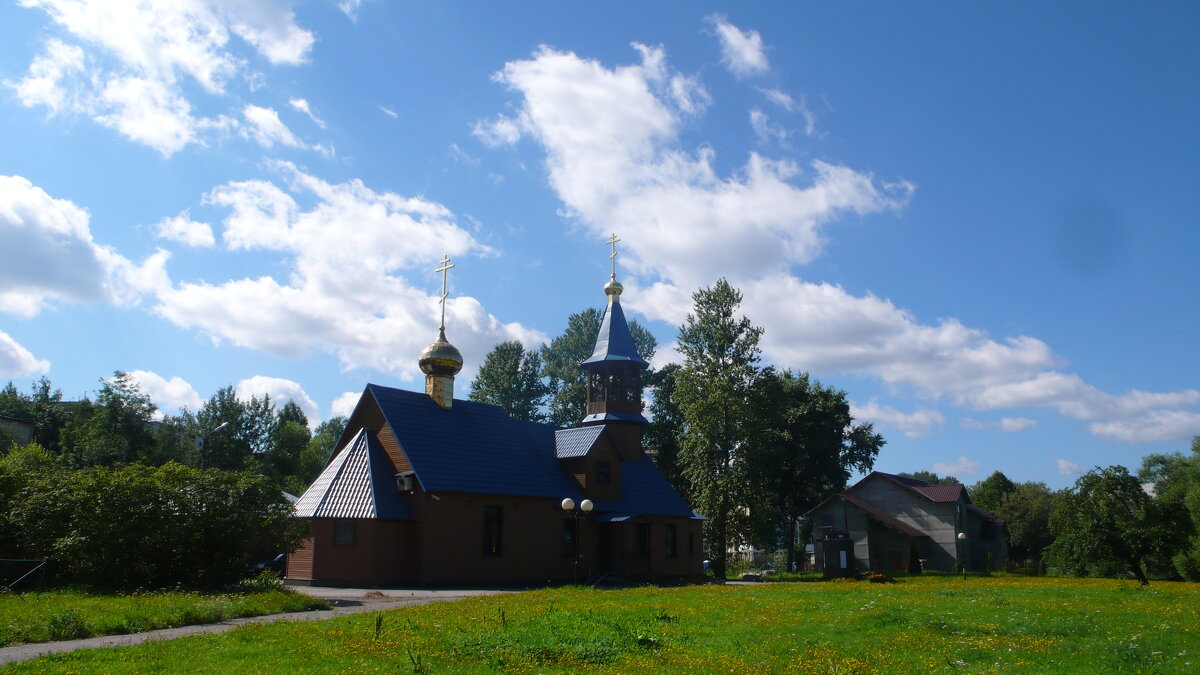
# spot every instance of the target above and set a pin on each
(641, 541)
(343, 533)
(670, 544)
(603, 473)
(493, 530)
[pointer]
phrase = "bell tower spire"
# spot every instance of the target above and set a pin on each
(614, 387)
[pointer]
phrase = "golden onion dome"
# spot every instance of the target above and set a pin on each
(441, 357)
(613, 287)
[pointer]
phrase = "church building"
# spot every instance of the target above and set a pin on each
(423, 488)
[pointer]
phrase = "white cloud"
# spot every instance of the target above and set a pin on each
(183, 229)
(766, 132)
(47, 254)
(281, 391)
(266, 129)
(17, 361)
(1066, 468)
(149, 112)
(611, 139)
(350, 8)
(742, 51)
(140, 53)
(460, 155)
(1011, 424)
(916, 424)
(302, 105)
(388, 111)
(344, 404)
(498, 132)
(174, 394)
(1005, 424)
(957, 468)
(785, 101)
(1152, 425)
(44, 85)
(346, 293)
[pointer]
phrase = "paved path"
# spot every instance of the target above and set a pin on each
(344, 601)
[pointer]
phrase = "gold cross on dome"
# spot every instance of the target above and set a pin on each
(612, 241)
(444, 269)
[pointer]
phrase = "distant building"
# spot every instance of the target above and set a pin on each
(15, 431)
(429, 489)
(890, 523)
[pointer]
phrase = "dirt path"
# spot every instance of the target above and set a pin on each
(343, 600)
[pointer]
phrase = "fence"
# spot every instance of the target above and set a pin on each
(18, 575)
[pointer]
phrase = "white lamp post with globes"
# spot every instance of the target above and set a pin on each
(962, 543)
(585, 507)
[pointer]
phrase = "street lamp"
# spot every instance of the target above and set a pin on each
(962, 543)
(202, 442)
(585, 507)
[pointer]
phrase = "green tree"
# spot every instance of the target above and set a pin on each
(714, 390)
(118, 429)
(229, 448)
(257, 423)
(288, 437)
(561, 358)
(510, 377)
(661, 438)
(1101, 526)
(282, 459)
(989, 493)
(43, 405)
(290, 412)
(1175, 481)
(316, 454)
(809, 450)
(1026, 511)
(931, 478)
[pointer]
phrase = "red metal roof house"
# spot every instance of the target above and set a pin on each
(892, 521)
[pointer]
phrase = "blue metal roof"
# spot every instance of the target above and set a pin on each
(575, 442)
(357, 483)
(645, 491)
(615, 342)
(474, 447)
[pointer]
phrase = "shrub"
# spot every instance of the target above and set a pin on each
(66, 625)
(141, 527)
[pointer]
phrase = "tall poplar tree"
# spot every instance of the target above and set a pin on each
(510, 377)
(714, 392)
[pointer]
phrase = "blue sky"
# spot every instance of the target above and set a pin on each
(976, 219)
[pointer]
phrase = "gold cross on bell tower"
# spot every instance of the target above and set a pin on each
(612, 241)
(444, 269)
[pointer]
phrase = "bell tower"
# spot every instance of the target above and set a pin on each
(614, 374)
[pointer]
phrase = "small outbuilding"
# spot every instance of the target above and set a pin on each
(897, 524)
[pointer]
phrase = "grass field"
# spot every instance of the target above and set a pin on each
(938, 624)
(67, 615)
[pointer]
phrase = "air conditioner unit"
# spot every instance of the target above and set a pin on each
(404, 482)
